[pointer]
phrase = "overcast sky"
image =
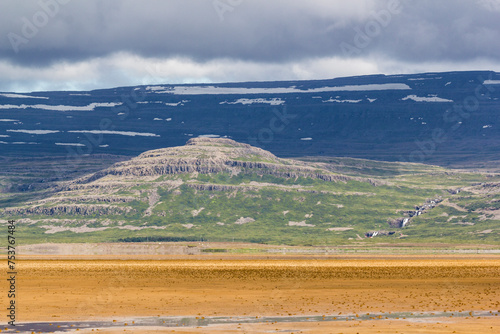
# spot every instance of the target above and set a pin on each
(89, 44)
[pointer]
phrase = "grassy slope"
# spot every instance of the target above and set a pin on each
(354, 204)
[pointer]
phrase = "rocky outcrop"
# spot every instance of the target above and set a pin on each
(211, 156)
(490, 188)
(300, 224)
(84, 199)
(373, 234)
(419, 210)
(82, 210)
(218, 187)
(428, 205)
(398, 223)
(210, 166)
(289, 172)
(244, 220)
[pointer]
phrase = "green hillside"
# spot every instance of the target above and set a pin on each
(221, 190)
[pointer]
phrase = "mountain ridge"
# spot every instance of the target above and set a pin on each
(439, 118)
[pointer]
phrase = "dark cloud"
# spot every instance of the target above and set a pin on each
(45, 32)
(443, 30)
(251, 30)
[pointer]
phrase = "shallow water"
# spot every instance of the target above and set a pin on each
(187, 322)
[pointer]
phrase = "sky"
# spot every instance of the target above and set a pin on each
(92, 44)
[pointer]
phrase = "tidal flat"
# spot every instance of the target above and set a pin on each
(230, 294)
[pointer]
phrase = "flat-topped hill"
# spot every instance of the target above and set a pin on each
(217, 189)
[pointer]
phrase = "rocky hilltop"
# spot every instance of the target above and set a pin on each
(211, 156)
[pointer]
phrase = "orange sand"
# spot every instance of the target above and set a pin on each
(65, 290)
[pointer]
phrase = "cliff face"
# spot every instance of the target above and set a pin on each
(212, 156)
(80, 210)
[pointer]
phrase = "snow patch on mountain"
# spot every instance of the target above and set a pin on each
(69, 144)
(35, 132)
(426, 99)
(121, 133)
(273, 102)
(22, 96)
(213, 90)
(89, 107)
(491, 82)
(341, 101)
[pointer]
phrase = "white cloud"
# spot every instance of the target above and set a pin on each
(59, 76)
(136, 70)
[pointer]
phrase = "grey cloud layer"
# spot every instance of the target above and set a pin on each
(252, 30)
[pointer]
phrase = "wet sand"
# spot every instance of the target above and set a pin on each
(458, 326)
